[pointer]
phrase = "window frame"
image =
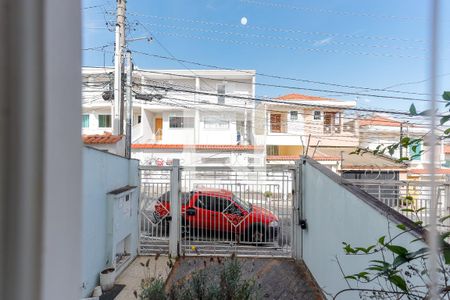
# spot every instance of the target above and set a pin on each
(218, 118)
(183, 122)
(221, 95)
(293, 113)
(317, 117)
(83, 120)
(108, 118)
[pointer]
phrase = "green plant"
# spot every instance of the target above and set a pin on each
(398, 271)
(268, 194)
(153, 284)
(410, 142)
(215, 281)
(152, 289)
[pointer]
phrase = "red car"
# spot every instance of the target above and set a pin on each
(220, 210)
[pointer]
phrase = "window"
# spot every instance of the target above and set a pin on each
(216, 204)
(275, 122)
(294, 115)
(221, 93)
(215, 122)
(272, 150)
(104, 121)
(85, 121)
(181, 122)
(317, 115)
(215, 160)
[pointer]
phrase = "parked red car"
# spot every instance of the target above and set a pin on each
(220, 210)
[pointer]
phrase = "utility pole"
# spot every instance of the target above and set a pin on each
(401, 138)
(118, 67)
(129, 104)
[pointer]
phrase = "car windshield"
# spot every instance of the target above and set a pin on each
(242, 203)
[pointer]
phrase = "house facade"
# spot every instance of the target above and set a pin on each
(199, 118)
(381, 130)
(297, 124)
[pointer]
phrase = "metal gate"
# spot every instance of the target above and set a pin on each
(218, 211)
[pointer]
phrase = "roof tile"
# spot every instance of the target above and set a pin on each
(198, 147)
(106, 138)
(300, 97)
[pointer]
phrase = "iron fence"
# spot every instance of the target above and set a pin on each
(218, 211)
(411, 198)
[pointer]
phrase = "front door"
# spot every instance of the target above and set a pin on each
(158, 128)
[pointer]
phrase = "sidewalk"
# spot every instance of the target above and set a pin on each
(135, 272)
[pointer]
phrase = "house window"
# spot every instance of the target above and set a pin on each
(294, 115)
(85, 121)
(104, 121)
(221, 93)
(275, 122)
(415, 151)
(317, 115)
(215, 122)
(181, 122)
(272, 150)
(215, 160)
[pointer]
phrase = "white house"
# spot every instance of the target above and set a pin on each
(199, 117)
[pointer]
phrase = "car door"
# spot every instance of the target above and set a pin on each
(231, 216)
(197, 214)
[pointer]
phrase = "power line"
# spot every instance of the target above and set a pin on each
(330, 11)
(273, 101)
(278, 76)
(262, 36)
(275, 29)
(167, 85)
(289, 87)
(294, 48)
(303, 125)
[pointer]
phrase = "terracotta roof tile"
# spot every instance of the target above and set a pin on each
(301, 97)
(426, 171)
(296, 157)
(379, 121)
(198, 147)
(106, 138)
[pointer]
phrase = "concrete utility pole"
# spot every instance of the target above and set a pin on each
(129, 105)
(118, 67)
(401, 138)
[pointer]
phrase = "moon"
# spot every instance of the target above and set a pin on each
(244, 21)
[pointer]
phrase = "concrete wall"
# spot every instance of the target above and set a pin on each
(189, 157)
(337, 213)
(102, 173)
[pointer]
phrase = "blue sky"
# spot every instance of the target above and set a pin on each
(374, 44)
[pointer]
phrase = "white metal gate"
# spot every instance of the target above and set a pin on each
(219, 211)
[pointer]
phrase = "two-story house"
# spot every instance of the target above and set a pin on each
(382, 130)
(297, 124)
(199, 117)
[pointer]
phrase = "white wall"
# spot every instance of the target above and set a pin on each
(192, 158)
(334, 215)
(221, 136)
(102, 173)
(177, 135)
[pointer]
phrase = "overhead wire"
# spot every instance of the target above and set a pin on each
(278, 30)
(275, 76)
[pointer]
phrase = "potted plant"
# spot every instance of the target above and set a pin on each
(107, 278)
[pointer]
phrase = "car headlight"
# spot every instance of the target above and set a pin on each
(273, 224)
